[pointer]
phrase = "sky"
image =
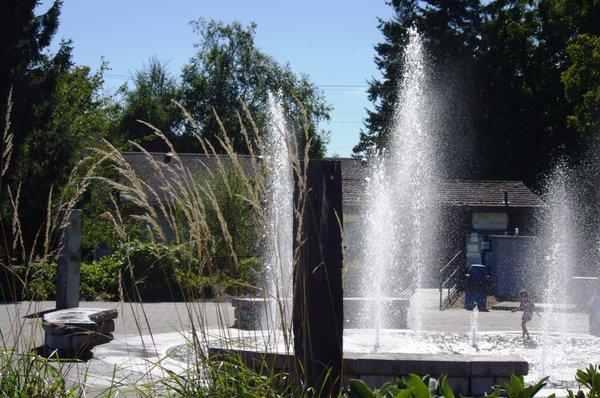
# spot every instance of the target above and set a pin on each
(331, 41)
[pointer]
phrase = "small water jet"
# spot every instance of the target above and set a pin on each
(474, 327)
(279, 219)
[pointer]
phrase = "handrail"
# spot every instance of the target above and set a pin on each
(447, 280)
(441, 271)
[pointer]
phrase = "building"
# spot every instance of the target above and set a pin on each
(471, 211)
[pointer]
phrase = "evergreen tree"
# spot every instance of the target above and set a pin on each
(509, 56)
(450, 33)
(57, 111)
(152, 100)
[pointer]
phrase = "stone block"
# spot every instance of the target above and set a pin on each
(376, 380)
(460, 385)
(499, 380)
(351, 364)
(405, 364)
(74, 332)
(71, 342)
(481, 385)
(489, 365)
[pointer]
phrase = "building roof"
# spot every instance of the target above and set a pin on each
(354, 171)
(471, 193)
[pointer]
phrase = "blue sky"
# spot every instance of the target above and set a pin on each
(331, 41)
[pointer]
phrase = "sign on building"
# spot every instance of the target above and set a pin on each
(490, 221)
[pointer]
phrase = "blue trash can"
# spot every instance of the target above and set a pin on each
(477, 287)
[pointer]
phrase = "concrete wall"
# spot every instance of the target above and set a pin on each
(467, 375)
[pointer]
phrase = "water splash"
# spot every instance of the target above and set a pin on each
(279, 217)
(474, 328)
(559, 257)
(400, 216)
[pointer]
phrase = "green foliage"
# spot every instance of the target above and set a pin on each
(29, 375)
(233, 378)
(229, 69)
(148, 270)
(33, 281)
(582, 84)
(411, 387)
(100, 279)
(57, 111)
(589, 378)
(151, 100)
(237, 212)
(517, 388)
(500, 64)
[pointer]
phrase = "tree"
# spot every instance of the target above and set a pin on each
(227, 70)
(449, 30)
(151, 100)
(508, 57)
(582, 85)
(57, 111)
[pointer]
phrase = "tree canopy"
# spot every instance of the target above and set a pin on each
(504, 63)
(227, 73)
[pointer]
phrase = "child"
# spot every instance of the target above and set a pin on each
(528, 307)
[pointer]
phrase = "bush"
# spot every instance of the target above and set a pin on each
(34, 281)
(226, 279)
(148, 270)
(589, 378)
(100, 279)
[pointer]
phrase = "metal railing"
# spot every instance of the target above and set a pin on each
(449, 277)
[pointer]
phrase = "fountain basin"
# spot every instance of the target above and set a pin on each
(360, 312)
(249, 312)
(468, 375)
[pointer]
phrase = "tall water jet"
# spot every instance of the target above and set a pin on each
(559, 256)
(400, 214)
(279, 197)
(413, 170)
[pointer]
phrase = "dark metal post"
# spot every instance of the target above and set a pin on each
(69, 262)
(318, 297)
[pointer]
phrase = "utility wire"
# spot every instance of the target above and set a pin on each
(332, 87)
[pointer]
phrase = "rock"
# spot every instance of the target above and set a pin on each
(73, 332)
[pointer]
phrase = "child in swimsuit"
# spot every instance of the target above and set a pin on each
(528, 307)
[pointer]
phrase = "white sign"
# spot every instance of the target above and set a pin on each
(490, 221)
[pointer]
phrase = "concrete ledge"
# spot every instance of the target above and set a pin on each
(468, 375)
(250, 312)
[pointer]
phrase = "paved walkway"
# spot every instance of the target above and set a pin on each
(144, 333)
(458, 319)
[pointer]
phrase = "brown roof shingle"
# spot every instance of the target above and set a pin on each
(354, 171)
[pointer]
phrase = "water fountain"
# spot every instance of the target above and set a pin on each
(474, 327)
(400, 217)
(272, 312)
(280, 210)
(559, 257)
(399, 233)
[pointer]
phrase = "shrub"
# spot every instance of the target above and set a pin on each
(413, 386)
(33, 281)
(590, 379)
(100, 279)
(148, 271)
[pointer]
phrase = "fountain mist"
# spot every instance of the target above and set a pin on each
(279, 218)
(559, 256)
(400, 218)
